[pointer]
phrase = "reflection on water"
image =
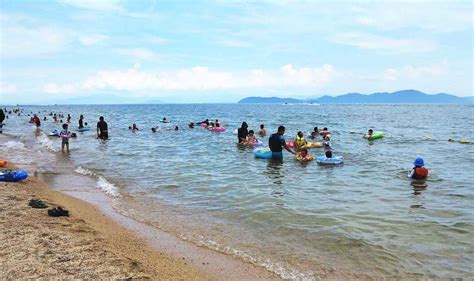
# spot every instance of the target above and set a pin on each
(419, 186)
(274, 171)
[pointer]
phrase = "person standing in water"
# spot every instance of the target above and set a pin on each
(276, 142)
(242, 133)
(81, 122)
(262, 131)
(69, 118)
(36, 120)
(102, 129)
(2, 117)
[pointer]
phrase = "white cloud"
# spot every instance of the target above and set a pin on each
(153, 39)
(93, 39)
(384, 44)
(98, 5)
(25, 37)
(417, 73)
(307, 75)
(200, 78)
(137, 53)
(391, 74)
(236, 43)
(53, 88)
(6, 88)
(435, 16)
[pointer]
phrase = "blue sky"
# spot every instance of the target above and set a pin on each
(221, 51)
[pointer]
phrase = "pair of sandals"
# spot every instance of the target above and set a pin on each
(53, 212)
(58, 212)
(37, 204)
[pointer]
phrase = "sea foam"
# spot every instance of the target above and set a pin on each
(102, 183)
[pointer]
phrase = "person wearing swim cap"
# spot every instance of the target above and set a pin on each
(419, 172)
(276, 142)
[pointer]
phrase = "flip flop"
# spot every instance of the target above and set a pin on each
(58, 212)
(37, 204)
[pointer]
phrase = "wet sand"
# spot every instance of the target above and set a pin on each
(94, 243)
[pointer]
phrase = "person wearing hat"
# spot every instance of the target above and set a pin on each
(419, 172)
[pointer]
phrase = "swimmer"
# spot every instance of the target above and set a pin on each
(419, 172)
(262, 132)
(370, 132)
(242, 133)
(327, 143)
(276, 142)
(300, 141)
(251, 139)
(313, 135)
(328, 154)
(303, 155)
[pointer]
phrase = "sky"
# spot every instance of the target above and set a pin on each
(222, 51)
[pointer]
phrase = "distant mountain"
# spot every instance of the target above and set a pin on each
(269, 100)
(405, 96)
(470, 99)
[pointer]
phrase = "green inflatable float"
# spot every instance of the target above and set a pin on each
(375, 136)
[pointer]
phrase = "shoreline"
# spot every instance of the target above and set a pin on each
(126, 248)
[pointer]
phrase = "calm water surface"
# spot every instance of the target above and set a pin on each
(364, 218)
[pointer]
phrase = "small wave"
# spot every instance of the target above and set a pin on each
(13, 145)
(278, 269)
(102, 183)
(45, 142)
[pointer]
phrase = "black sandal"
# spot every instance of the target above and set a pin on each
(37, 204)
(58, 212)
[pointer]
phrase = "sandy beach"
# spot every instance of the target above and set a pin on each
(86, 245)
(94, 243)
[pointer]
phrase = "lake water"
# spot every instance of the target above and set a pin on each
(362, 219)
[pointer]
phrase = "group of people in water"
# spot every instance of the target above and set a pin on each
(276, 141)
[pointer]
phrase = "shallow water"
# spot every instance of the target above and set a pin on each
(364, 218)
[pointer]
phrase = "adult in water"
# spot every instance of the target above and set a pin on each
(2, 117)
(276, 142)
(102, 129)
(242, 132)
(81, 122)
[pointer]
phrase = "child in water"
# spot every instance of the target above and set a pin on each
(313, 135)
(328, 154)
(303, 155)
(370, 132)
(251, 139)
(299, 140)
(327, 143)
(418, 172)
(65, 134)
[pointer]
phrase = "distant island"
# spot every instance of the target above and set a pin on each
(405, 96)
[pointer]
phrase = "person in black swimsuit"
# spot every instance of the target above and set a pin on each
(242, 132)
(102, 129)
